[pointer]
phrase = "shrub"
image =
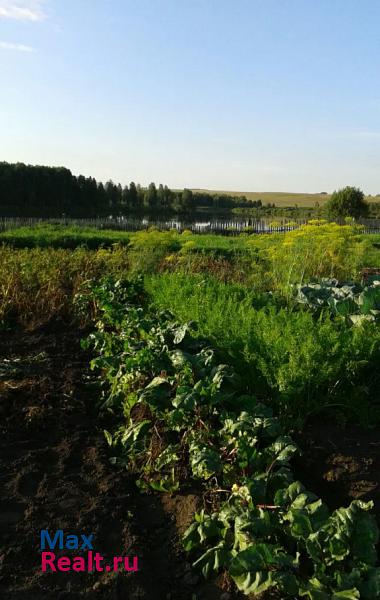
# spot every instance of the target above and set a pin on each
(347, 202)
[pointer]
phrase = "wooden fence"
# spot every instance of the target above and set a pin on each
(219, 226)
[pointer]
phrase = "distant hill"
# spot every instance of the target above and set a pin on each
(282, 199)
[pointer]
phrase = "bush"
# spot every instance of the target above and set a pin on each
(347, 202)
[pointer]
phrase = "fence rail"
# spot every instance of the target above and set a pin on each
(221, 226)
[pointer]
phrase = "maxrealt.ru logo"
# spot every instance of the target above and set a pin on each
(90, 561)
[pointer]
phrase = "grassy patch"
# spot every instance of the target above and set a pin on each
(284, 199)
(58, 236)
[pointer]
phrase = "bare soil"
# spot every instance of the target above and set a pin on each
(55, 474)
(341, 463)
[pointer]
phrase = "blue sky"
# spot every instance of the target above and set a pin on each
(266, 95)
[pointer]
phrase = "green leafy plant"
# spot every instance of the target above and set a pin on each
(181, 415)
(355, 301)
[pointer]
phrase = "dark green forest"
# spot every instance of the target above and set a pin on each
(39, 191)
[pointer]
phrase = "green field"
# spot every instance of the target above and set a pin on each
(283, 199)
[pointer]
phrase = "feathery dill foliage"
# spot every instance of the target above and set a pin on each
(305, 363)
(318, 249)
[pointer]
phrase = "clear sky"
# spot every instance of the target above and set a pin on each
(252, 95)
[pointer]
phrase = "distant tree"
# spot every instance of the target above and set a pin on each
(27, 190)
(101, 200)
(317, 209)
(187, 200)
(132, 194)
(119, 198)
(161, 196)
(150, 197)
(125, 198)
(169, 197)
(140, 196)
(347, 202)
(112, 195)
(88, 196)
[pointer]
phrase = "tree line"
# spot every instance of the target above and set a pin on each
(40, 191)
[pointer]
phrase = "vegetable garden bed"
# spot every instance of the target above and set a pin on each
(181, 418)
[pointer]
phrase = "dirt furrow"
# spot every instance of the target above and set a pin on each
(55, 474)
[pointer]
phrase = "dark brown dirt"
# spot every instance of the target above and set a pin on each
(55, 474)
(370, 272)
(341, 464)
